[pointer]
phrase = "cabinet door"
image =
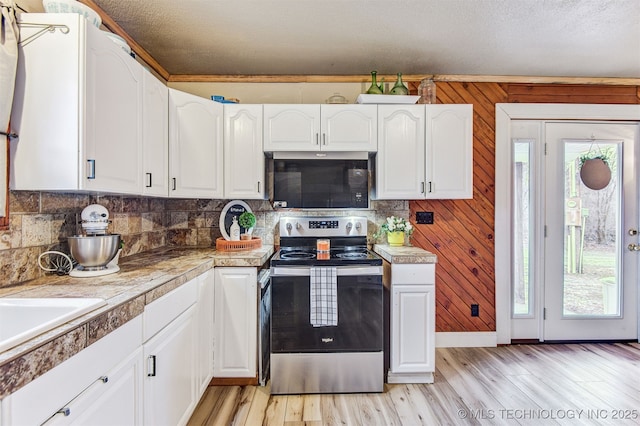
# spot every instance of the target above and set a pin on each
(412, 328)
(291, 127)
(243, 156)
(236, 318)
(112, 400)
(349, 128)
(169, 382)
(47, 107)
(195, 146)
(449, 161)
(113, 127)
(155, 136)
(205, 330)
(400, 159)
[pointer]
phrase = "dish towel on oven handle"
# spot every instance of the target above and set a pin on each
(323, 296)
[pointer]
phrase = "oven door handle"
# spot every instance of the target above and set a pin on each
(341, 271)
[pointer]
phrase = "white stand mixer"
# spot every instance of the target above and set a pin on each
(95, 220)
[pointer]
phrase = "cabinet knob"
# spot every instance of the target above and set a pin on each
(66, 411)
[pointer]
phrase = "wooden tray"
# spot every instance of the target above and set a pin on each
(224, 245)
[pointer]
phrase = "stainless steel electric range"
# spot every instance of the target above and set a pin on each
(326, 308)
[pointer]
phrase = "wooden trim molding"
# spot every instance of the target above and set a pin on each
(113, 26)
(183, 78)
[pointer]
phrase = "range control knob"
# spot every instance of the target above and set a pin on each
(289, 228)
(358, 226)
(298, 226)
(349, 227)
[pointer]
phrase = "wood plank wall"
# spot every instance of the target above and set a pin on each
(462, 233)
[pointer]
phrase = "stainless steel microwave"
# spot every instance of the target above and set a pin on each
(321, 180)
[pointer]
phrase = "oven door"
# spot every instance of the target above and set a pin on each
(360, 316)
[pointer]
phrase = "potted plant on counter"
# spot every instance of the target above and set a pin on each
(396, 228)
(247, 221)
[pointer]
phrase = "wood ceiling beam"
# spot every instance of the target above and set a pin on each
(188, 78)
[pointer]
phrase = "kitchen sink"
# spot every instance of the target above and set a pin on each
(22, 319)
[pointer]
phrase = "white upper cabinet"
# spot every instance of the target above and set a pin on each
(244, 173)
(155, 136)
(400, 158)
(77, 110)
(425, 152)
(320, 128)
(449, 161)
(291, 127)
(195, 146)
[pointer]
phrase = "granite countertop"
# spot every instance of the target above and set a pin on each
(404, 254)
(142, 279)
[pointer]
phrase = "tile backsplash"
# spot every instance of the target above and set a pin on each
(42, 221)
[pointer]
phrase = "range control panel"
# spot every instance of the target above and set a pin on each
(323, 224)
(305, 226)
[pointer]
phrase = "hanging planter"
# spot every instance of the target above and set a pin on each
(595, 172)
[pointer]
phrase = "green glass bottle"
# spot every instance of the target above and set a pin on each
(374, 89)
(399, 88)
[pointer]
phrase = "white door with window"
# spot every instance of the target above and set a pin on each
(574, 273)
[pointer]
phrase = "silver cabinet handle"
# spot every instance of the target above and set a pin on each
(324, 139)
(65, 410)
(430, 188)
(422, 187)
(258, 187)
(174, 184)
(148, 180)
(317, 139)
(633, 247)
(91, 169)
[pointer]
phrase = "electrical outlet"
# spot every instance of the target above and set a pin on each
(424, 218)
(475, 310)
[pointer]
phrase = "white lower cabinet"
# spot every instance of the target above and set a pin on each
(169, 383)
(412, 323)
(236, 318)
(111, 400)
(101, 385)
(170, 356)
(205, 330)
(152, 370)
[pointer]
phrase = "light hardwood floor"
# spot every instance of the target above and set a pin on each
(572, 384)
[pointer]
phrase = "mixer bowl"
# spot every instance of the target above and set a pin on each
(95, 251)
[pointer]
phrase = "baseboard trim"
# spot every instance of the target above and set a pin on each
(466, 339)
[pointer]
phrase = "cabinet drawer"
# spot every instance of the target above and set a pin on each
(422, 273)
(161, 312)
(40, 399)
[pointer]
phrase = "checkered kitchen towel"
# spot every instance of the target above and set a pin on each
(323, 293)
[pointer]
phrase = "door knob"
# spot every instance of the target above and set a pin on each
(633, 247)
(633, 232)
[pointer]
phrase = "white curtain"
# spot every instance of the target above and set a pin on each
(8, 62)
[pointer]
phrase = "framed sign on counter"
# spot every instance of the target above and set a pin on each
(231, 209)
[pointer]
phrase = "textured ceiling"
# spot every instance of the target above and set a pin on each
(577, 38)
